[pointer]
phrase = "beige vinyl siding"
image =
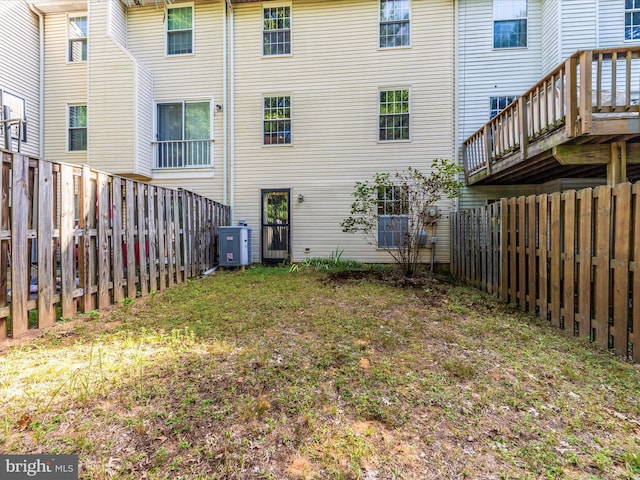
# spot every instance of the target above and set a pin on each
(19, 57)
(184, 77)
(551, 11)
(579, 25)
(65, 83)
(143, 119)
(111, 76)
(203, 183)
(193, 76)
(117, 23)
(334, 75)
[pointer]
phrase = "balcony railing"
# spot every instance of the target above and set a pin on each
(587, 85)
(182, 153)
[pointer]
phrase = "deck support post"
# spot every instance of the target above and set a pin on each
(617, 166)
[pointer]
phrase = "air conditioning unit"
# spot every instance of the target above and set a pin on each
(234, 246)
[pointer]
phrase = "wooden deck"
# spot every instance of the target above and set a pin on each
(581, 121)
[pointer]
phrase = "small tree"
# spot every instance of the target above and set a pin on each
(393, 211)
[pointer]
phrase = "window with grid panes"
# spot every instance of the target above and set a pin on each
(394, 23)
(276, 30)
(632, 20)
(277, 120)
(509, 23)
(179, 30)
(394, 115)
(77, 128)
(497, 104)
(77, 36)
(393, 220)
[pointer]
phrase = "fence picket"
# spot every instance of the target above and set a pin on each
(67, 246)
(513, 241)
(569, 261)
(153, 238)
(600, 323)
(555, 293)
(621, 249)
(543, 235)
(46, 257)
(143, 243)
(532, 256)
(5, 222)
(118, 260)
(130, 236)
(634, 330)
(20, 265)
(522, 253)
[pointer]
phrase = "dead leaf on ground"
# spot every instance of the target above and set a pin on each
(23, 422)
(365, 363)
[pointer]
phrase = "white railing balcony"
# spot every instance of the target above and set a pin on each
(182, 153)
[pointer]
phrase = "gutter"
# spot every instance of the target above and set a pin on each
(38, 13)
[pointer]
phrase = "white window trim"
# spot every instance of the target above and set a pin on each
(624, 26)
(493, 23)
(68, 127)
(71, 15)
(168, 7)
(410, 30)
(276, 5)
(385, 142)
(154, 119)
(270, 95)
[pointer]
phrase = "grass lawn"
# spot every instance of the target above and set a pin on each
(272, 374)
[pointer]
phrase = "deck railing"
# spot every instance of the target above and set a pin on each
(182, 153)
(587, 83)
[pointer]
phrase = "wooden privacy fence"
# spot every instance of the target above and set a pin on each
(572, 258)
(72, 238)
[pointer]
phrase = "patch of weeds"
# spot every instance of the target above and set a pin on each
(460, 368)
(334, 262)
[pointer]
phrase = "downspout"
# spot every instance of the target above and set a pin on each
(225, 103)
(455, 150)
(38, 13)
(232, 109)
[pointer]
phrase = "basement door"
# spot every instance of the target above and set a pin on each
(276, 232)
